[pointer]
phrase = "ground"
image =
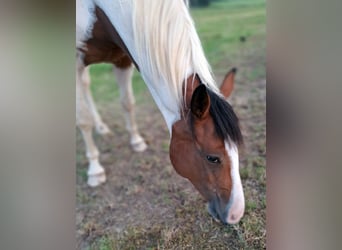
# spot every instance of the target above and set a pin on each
(145, 204)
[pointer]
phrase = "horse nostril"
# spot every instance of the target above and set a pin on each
(233, 218)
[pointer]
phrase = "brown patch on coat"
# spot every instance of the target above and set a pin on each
(106, 45)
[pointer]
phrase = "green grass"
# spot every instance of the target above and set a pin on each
(105, 244)
(104, 87)
(221, 26)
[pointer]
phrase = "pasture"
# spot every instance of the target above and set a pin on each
(145, 204)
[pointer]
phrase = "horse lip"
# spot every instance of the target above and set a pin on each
(212, 211)
(216, 212)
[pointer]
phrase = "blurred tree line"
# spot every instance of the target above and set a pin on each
(202, 3)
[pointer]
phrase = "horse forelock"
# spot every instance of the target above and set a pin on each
(225, 120)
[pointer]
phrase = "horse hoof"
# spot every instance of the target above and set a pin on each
(96, 180)
(139, 146)
(102, 129)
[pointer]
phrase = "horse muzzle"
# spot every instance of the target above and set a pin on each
(230, 213)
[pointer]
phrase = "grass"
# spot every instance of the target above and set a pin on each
(181, 220)
(104, 87)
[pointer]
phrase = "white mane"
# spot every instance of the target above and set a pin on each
(167, 44)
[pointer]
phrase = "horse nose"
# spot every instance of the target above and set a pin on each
(236, 211)
(234, 218)
(229, 214)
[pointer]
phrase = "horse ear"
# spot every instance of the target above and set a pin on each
(200, 102)
(228, 83)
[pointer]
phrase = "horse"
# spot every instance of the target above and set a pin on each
(159, 39)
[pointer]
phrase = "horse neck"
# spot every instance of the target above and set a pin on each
(158, 85)
(167, 105)
(121, 18)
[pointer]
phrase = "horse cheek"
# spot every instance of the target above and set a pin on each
(179, 159)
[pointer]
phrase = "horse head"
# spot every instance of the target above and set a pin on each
(204, 148)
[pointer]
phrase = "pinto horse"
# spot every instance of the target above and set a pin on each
(160, 40)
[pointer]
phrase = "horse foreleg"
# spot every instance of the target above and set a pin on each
(85, 122)
(124, 79)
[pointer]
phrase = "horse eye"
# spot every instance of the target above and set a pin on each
(213, 159)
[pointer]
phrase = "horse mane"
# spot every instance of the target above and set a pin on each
(168, 46)
(225, 120)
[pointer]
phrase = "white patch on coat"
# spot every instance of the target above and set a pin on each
(85, 19)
